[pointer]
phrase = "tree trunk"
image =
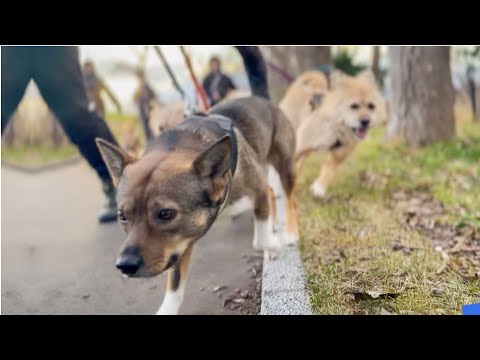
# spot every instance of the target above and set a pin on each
(311, 57)
(421, 94)
(294, 60)
(376, 64)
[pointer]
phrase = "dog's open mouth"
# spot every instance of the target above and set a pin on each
(361, 132)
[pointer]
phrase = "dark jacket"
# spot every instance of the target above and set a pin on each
(220, 83)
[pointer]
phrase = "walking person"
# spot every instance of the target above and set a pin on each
(56, 71)
(95, 86)
(216, 84)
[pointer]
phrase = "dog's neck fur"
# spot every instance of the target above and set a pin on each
(193, 134)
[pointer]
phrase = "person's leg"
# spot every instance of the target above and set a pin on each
(256, 70)
(145, 119)
(16, 74)
(59, 79)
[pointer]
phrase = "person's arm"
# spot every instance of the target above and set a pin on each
(111, 95)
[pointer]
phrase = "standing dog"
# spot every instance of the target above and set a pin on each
(335, 121)
(170, 197)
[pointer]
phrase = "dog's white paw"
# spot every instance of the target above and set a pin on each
(289, 239)
(264, 238)
(165, 311)
(172, 301)
(270, 243)
(318, 190)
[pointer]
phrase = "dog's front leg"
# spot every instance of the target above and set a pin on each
(264, 237)
(177, 277)
(329, 170)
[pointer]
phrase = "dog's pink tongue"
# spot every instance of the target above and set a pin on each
(361, 133)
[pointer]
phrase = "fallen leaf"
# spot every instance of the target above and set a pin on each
(405, 249)
(371, 294)
(244, 294)
(218, 288)
(437, 291)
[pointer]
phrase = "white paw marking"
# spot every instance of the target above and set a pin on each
(280, 199)
(172, 301)
(318, 190)
(263, 236)
(289, 238)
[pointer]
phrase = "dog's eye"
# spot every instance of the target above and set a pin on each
(354, 106)
(371, 106)
(122, 217)
(166, 214)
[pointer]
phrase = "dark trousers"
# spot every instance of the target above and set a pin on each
(256, 70)
(56, 71)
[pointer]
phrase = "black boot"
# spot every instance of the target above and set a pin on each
(109, 210)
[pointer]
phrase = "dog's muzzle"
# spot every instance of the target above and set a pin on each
(129, 263)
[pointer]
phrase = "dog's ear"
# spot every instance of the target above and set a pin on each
(338, 79)
(215, 161)
(315, 101)
(368, 76)
(115, 158)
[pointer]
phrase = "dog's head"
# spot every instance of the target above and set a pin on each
(167, 199)
(315, 84)
(357, 102)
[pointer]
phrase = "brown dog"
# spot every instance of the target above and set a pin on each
(336, 122)
(169, 198)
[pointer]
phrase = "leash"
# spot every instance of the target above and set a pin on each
(189, 105)
(198, 88)
(282, 72)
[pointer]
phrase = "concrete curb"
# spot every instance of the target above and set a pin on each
(34, 170)
(284, 290)
(284, 285)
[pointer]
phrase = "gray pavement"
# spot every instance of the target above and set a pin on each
(56, 259)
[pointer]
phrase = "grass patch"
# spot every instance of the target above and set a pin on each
(39, 155)
(34, 156)
(355, 242)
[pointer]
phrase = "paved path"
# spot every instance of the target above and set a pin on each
(56, 259)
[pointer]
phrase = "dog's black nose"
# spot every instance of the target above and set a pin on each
(365, 122)
(129, 264)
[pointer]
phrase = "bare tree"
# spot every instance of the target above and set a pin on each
(421, 94)
(291, 61)
(376, 63)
